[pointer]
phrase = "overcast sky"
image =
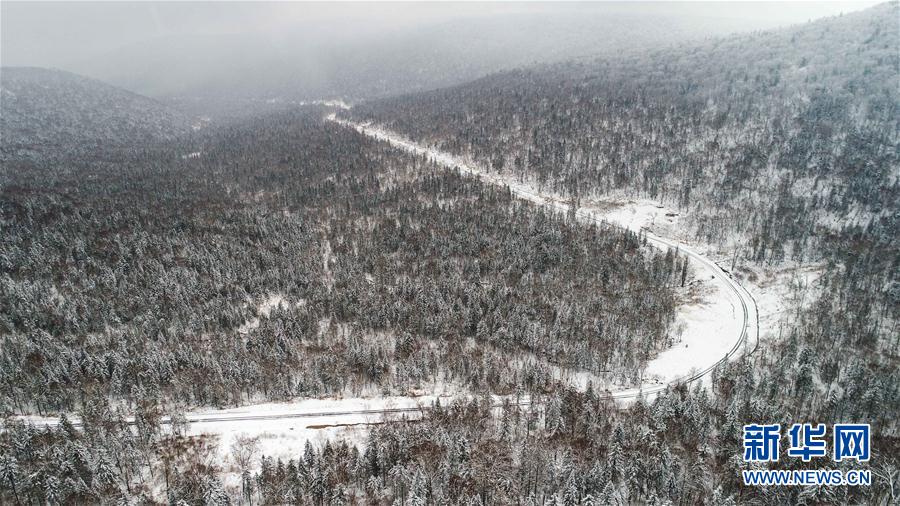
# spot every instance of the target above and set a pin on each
(64, 34)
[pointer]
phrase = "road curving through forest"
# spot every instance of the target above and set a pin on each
(746, 314)
(747, 317)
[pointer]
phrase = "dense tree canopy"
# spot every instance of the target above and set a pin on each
(286, 256)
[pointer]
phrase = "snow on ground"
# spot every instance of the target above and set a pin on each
(200, 123)
(282, 429)
(709, 324)
(322, 420)
(713, 327)
(779, 290)
(263, 309)
(284, 434)
(334, 102)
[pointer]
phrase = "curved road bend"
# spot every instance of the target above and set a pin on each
(748, 311)
(749, 327)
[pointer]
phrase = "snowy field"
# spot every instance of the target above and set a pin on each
(284, 428)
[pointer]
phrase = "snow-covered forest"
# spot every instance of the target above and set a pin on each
(51, 113)
(157, 268)
(771, 140)
(388, 274)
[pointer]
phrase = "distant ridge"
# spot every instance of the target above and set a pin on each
(47, 112)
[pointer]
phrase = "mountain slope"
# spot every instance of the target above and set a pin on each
(51, 112)
(746, 133)
(365, 58)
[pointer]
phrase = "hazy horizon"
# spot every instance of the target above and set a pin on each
(264, 48)
(450, 253)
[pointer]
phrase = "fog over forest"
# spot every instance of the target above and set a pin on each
(473, 254)
(352, 50)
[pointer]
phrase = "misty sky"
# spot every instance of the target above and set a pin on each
(66, 34)
(357, 51)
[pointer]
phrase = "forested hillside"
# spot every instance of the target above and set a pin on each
(137, 280)
(287, 257)
(778, 147)
(772, 141)
(394, 49)
(782, 146)
(51, 112)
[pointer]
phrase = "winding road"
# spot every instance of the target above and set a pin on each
(746, 305)
(745, 311)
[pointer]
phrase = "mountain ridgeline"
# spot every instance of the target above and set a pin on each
(765, 138)
(52, 112)
(416, 50)
(150, 269)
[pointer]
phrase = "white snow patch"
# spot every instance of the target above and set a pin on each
(335, 103)
(264, 309)
(331, 102)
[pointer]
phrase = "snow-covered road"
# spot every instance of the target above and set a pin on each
(716, 329)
